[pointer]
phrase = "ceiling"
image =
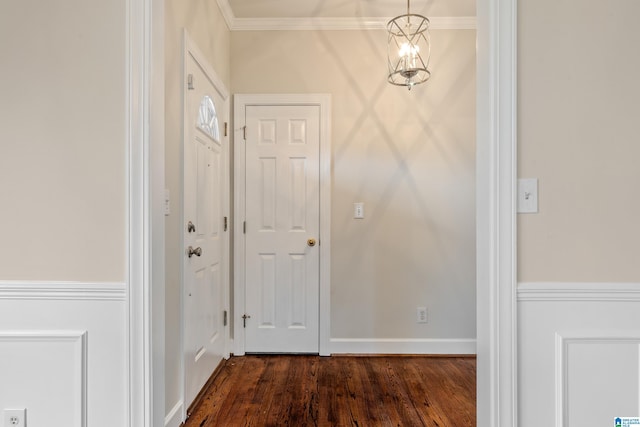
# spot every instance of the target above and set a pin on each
(348, 9)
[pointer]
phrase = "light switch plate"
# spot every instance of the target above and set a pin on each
(528, 195)
(167, 202)
(358, 210)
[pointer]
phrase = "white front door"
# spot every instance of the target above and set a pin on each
(204, 227)
(282, 228)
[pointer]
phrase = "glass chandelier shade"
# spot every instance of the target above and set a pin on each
(409, 49)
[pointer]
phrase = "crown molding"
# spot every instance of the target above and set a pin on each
(227, 12)
(329, 24)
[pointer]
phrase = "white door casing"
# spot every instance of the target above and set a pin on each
(205, 253)
(282, 210)
(496, 145)
(296, 320)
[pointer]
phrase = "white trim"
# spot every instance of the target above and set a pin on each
(340, 24)
(402, 346)
(495, 213)
(190, 48)
(156, 162)
(227, 12)
(562, 341)
(48, 290)
(238, 224)
(145, 223)
(174, 417)
(333, 23)
(564, 291)
(324, 102)
(80, 340)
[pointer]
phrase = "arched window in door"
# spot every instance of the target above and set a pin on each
(208, 118)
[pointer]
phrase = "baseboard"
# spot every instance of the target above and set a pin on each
(174, 417)
(402, 346)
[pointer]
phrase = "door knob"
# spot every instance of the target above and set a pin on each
(191, 252)
(311, 242)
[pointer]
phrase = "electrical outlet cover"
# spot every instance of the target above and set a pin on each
(421, 314)
(15, 418)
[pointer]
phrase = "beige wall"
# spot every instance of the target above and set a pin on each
(62, 140)
(579, 133)
(409, 156)
(208, 30)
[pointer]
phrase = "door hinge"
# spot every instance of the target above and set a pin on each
(224, 318)
(244, 133)
(226, 223)
(244, 320)
(190, 82)
(244, 227)
(226, 128)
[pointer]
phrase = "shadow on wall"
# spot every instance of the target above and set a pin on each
(410, 158)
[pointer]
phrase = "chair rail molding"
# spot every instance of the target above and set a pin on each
(576, 291)
(51, 290)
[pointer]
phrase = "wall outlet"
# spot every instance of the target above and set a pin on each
(15, 418)
(421, 313)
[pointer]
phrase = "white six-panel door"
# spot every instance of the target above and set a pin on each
(282, 228)
(204, 246)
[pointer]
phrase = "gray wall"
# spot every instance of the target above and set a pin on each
(409, 156)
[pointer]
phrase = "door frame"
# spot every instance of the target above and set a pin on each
(241, 102)
(496, 231)
(191, 49)
(495, 212)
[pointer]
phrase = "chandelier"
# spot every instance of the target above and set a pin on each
(408, 49)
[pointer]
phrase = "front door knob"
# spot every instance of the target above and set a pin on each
(311, 242)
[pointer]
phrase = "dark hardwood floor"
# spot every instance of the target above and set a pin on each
(278, 390)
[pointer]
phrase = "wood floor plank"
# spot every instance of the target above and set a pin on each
(359, 391)
(334, 393)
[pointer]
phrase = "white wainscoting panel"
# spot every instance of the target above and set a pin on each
(598, 370)
(578, 353)
(56, 362)
(63, 352)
